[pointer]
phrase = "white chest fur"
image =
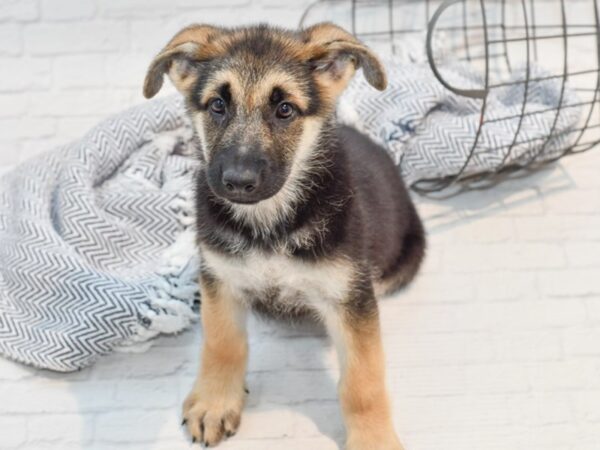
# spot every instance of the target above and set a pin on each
(315, 283)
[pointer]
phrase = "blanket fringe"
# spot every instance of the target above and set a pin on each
(173, 297)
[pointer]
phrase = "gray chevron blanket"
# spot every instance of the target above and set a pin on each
(96, 238)
(96, 249)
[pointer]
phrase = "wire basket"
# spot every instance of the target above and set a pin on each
(504, 40)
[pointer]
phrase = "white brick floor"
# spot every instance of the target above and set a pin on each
(496, 345)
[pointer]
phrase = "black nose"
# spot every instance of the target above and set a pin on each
(242, 181)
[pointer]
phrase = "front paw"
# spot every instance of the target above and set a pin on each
(213, 412)
(372, 440)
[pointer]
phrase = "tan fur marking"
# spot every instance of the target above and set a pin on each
(181, 78)
(362, 390)
(262, 91)
(331, 86)
(326, 32)
(259, 94)
(192, 43)
(219, 79)
(194, 33)
(341, 54)
(213, 408)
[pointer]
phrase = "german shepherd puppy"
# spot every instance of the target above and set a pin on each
(296, 216)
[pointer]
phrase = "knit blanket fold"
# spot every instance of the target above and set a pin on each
(96, 241)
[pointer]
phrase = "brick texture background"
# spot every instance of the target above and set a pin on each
(495, 347)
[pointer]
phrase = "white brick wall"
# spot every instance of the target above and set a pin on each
(495, 347)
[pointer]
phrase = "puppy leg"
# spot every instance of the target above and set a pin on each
(356, 332)
(213, 409)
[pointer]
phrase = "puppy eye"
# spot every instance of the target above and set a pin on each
(285, 111)
(217, 106)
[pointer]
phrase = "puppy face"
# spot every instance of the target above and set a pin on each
(259, 97)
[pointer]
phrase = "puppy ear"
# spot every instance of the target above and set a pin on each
(178, 58)
(336, 55)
